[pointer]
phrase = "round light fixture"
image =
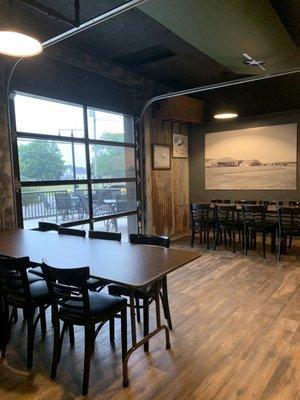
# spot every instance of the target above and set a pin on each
(226, 115)
(18, 44)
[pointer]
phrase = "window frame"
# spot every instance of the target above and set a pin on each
(89, 181)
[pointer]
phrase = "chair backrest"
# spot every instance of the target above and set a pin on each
(271, 202)
(62, 200)
(84, 203)
(220, 201)
(105, 235)
(47, 226)
(68, 287)
(225, 212)
(13, 276)
(200, 212)
(294, 203)
(254, 213)
(154, 240)
(72, 232)
(289, 217)
(246, 202)
(45, 201)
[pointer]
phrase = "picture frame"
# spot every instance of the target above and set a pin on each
(180, 146)
(161, 156)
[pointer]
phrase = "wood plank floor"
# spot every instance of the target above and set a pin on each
(236, 336)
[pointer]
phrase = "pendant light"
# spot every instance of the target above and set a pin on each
(225, 115)
(13, 40)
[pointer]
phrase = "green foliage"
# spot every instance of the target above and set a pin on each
(109, 161)
(40, 160)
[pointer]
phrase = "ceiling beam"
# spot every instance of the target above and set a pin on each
(91, 64)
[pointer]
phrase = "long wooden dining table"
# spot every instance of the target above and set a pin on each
(134, 266)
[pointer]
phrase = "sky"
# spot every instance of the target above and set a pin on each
(267, 144)
(36, 115)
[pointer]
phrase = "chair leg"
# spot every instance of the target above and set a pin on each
(124, 331)
(56, 346)
(43, 322)
(71, 335)
(233, 240)
(15, 315)
(30, 338)
(217, 238)
(138, 312)
(6, 330)
(207, 238)
(279, 248)
(264, 244)
(87, 359)
(290, 241)
(165, 302)
(112, 330)
(193, 238)
(146, 321)
(246, 236)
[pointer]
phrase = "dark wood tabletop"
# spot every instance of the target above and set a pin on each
(124, 263)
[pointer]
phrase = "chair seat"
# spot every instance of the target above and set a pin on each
(266, 227)
(119, 290)
(291, 229)
(102, 306)
(208, 223)
(36, 274)
(231, 224)
(39, 293)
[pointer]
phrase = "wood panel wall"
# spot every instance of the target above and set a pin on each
(167, 191)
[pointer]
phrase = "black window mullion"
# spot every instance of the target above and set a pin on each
(88, 166)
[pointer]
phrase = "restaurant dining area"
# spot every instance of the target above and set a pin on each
(149, 200)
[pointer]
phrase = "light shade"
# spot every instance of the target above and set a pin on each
(225, 115)
(18, 44)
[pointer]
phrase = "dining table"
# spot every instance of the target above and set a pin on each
(134, 266)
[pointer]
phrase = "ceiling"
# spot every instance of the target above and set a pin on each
(178, 43)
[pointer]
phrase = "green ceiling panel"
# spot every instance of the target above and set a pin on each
(224, 29)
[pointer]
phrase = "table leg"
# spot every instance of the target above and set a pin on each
(135, 344)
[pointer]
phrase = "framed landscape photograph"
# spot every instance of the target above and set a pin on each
(262, 158)
(180, 146)
(161, 156)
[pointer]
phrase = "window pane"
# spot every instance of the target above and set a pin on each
(112, 198)
(62, 203)
(48, 117)
(108, 126)
(112, 162)
(47, 160)
(124, 225)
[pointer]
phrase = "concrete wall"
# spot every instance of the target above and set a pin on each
(197, 160)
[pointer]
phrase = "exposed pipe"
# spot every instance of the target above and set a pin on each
(216, 86)
(95, 21)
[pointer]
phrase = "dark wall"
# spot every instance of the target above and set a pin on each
(197, 161)
(50, 78)
(263, 97)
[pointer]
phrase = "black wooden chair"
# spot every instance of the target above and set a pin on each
(105, 235)
(203, 221)
(294, 203)
(74, 304)
(289, 226)
(73, 232)
(227, 222)
(220, 201)
(255, 221)
(146, 295)
(47, 226)
(253, 202)
(19, 293)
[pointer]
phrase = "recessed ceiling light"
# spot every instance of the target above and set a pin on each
(18, 44)
(227, 115)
